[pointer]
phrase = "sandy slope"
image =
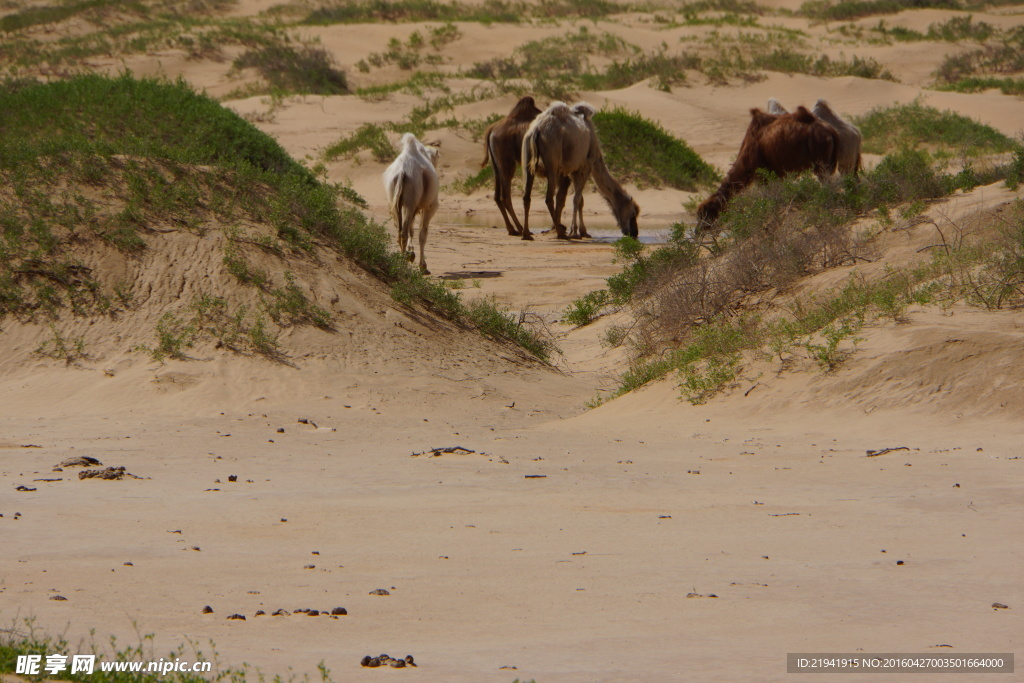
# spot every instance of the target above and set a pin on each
(571, 545)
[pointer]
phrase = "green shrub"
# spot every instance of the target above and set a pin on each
(911, 125)
(640, 151)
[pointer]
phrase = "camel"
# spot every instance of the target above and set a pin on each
(411, 184)
(848, 157)
(564, 141)
(503, 143)
(783, 144)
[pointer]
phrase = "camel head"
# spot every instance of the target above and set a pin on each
(708, 211)
(626, 213)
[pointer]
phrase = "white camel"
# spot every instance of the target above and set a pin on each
(411, 185)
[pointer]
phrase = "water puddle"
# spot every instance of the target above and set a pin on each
(600, 233)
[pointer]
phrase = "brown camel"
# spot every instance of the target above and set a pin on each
(503, 143)
(783, 144)
(564, 141)
(848, 159)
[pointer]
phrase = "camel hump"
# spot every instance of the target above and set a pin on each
(775, 107)
(584, 110)
(759, 119)
(803, 115)
(525, 109)
(560, 110)
(409, 141)
(822, 110)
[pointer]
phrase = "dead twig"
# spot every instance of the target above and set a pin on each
(435, 452)
(883, 451)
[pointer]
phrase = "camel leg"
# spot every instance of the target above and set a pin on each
(400, 223)
(557, 203)
(518, 229)
(503, 198)
(579, 230)
(527, 190)
(405, 235)
(427, 214)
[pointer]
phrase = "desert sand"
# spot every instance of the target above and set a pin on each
(644, 540)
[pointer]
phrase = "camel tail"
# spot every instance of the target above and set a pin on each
(487, 149)
(531, 159)
(396, 201)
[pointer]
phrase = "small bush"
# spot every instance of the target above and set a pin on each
(497, 323)
(585, 310)
(306, 69)
(368, 136)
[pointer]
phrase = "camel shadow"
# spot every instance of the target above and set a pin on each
(470, 274)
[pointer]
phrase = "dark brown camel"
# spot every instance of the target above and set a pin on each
(784, 144)
(503, 142)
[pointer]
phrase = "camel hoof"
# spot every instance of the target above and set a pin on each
(512, 231)
(528, 236)
(411, 256)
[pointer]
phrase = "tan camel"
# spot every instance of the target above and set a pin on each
(503, 143)
(848, 158)
(564, 141)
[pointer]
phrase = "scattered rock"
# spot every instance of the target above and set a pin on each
(281, 613)
(900, 562)
(24, 488)
(80, 461)
(312, 613)
(339, 611)
(280, 430)
(57, 597)
(999, 605)
(207, 610)
(233, 477)
(108, 473)
(129, 564)
(237, 616)
(380, 591)
(387, 660)
(259, 613)
(310, 566)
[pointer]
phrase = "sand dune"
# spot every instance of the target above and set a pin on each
(645, 540)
